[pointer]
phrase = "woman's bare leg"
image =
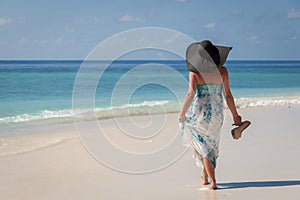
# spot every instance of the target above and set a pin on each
(204, 177)
(209, 167)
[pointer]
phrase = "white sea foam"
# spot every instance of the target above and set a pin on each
(267, 101)
(45, 114)
(86, 114)
(144, 104)
(144, 108)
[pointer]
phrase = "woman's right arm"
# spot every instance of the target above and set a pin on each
(229, 98)
(189, 96)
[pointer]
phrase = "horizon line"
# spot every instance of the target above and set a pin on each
(143, 60)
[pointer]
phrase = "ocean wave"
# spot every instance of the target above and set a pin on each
(67, 115)
(45, 114)
(144, 108)
(267, 101)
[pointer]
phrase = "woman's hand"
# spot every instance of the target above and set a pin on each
(237, 120)
(182, 117)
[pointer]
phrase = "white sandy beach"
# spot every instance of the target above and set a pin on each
(263, 164)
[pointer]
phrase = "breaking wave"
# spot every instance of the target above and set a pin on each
(144, 108)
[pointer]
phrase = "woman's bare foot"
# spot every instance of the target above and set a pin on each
(213, 184)
(204, 180)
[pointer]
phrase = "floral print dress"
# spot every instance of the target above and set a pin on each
(204, 122)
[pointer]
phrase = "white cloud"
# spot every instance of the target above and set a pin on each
(292, 37)
(4, 21)
(210, 25)
(20, 20)
(56, 41)
(252, 38)
(94, 20)
(256, 40)
(130, 18)
(97, 20)
(294, 13)
(236, 12)
(181, 1)
(69, 30)
(27, 41)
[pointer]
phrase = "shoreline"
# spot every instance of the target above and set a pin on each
(259, 164)
(55, 133)
(141, 109)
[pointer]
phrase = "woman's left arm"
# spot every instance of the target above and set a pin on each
(190, 95)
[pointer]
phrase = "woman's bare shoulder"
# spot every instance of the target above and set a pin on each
(223, 71)
(194, 75)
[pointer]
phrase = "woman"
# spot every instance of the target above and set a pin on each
(205, 104)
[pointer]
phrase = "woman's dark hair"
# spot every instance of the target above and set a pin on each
(211, 50)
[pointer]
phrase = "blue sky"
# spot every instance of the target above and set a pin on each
(58, 29)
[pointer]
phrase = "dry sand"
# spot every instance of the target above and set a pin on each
(51, 163)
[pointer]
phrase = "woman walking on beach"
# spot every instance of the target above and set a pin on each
(202, 110)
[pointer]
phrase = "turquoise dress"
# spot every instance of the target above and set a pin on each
(204, 121)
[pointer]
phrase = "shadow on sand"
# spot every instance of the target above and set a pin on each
(257, 184)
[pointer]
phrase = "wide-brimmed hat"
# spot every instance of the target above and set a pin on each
(205, 57)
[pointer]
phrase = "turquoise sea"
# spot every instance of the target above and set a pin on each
(41, 91)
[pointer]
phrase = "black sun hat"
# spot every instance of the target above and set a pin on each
(205, 57)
